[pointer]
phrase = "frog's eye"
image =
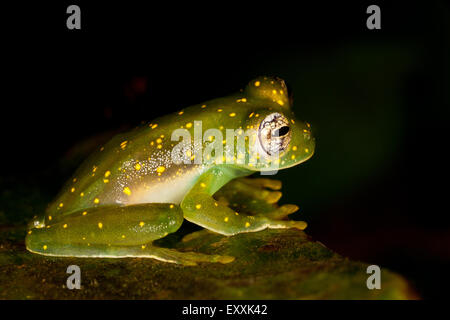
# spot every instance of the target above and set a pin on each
(274, 133)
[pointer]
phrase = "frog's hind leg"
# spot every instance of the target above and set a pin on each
(116, 232)
(255, 196)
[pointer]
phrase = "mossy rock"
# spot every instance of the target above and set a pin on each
(271, 264)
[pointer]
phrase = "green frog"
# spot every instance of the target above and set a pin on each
(193, 164)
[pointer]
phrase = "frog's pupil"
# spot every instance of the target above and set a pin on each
(282, 131)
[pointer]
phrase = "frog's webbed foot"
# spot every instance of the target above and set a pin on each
(255, 196)
(187, 258)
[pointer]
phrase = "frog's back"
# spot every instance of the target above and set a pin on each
(133, 167)
(137, 166)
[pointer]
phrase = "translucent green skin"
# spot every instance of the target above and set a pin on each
(130, 193)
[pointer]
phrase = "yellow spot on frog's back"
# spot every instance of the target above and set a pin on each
(143, 246)
(96, 200)
(293, 157)
(160, 169)
(154, 126)
(105, 180)
(72, 190)
(107, 174)
(251, 114)
(219, 110)
(82, 194)
(294, 148)
(84, 213)
(203, 185)
(226, 219)
(280, 102)
(137, 166)
(45, 247)
(159, 146)
(123, 236)
(171, 206)
(123, 144)
(181, 112)
(100, 225)
(61, 205)
(127, 191)
(65, 225)
(292, 120)
(49, 217)
(203, 106)
(142, 223)
(257, 83)
(188, 125)
(247, 224)
(306, 150)
(74, 180)
(198, 206)
(233, 114)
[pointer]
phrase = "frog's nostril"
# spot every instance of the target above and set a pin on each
(36, 224)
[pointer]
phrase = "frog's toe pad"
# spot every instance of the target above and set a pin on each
(192, 258)
(301, 225)
(224, 259)
(282, 212)
(285, 224)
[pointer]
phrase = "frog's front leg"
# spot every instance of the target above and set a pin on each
(202, 209)
(255, 196)
(115, 232)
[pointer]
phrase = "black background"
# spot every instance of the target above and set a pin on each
(131, 63)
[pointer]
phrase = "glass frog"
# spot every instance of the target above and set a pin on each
(141, 185)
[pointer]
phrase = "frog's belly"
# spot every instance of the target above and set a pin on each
(168, 191)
